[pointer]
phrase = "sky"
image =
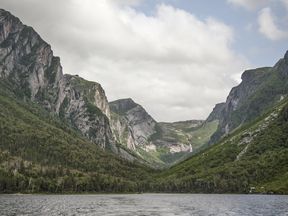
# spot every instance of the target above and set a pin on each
(177, 58)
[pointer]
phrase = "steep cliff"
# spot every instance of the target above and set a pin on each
(251, 159)
(157, 142)
(39, 153)
(28, 67)
(216, 112)
(27, 61)
(259, 90)
(139, 125)
(84, 105)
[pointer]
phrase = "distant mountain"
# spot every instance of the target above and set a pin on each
(131, 123)
(157, 142)
(259, 90)
(250, 153)
(252, 159)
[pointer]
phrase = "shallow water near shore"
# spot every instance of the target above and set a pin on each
(144, 204)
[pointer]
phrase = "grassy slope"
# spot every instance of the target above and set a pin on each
(217, 169)
(202, 135)
(34, 143)
(196, 136)
(40, 154)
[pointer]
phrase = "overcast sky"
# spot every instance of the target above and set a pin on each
(177, 58)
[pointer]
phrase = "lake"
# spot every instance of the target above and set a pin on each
(144, 204)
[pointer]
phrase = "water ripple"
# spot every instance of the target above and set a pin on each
(144, 205)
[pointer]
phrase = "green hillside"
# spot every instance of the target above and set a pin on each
(196, 134)
(255, 156)
(259, 90)
(38, 153)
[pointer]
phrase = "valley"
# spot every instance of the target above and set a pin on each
(60, 134)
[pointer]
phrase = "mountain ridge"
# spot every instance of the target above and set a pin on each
(259, 90)
(158, 142)
(60, 134)
(28, 64)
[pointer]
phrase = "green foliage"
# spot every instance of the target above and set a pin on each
(221, 169)
(157, 135)
(39, 153)
(63, 107)
(172, 158)
(93, 110)
(32, 136)
(51, 72)
(202, 134)
(268, 86)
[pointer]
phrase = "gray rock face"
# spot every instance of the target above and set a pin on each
(28, 64)
(122, 106)
(161, 143)
(260, 89)
(85, 106)
(251, 80)
(216, 113)
(26, 60)
(132, 122)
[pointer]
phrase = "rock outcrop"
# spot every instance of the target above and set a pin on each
(27, 63)
(85, 106)
(158, 142)
(260, 89)
(131, 123)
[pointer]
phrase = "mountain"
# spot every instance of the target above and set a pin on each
(131, 123)
(59, 133)
(32, 73)
(259, 90)
(159, 143)
(41, 153)
(55, 128)
(250, 151)
(252, 159)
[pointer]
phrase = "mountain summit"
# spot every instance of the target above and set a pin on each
(30, 70)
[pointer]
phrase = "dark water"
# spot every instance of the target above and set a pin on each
(144, 204)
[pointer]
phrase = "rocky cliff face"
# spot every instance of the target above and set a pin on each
(156, 142)
(85, 106)
(260, 89)
(131, 123)
(26, 60)
(28, 64)
(216, 112)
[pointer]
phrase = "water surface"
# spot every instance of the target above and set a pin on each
(144, 204)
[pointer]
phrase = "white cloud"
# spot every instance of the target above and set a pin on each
(126, 2)
(250, 4)
(285, 2)
(173, 63)
(268, 27)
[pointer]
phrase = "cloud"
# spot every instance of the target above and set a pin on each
(126, 2)
(250, 4)
(173, 63)
(266, 21)
(285, 3)
(268, 27)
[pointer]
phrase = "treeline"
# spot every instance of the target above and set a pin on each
(250, 160)
(17, 175)
(39, 154)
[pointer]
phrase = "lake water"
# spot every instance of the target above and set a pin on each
(144, 204)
